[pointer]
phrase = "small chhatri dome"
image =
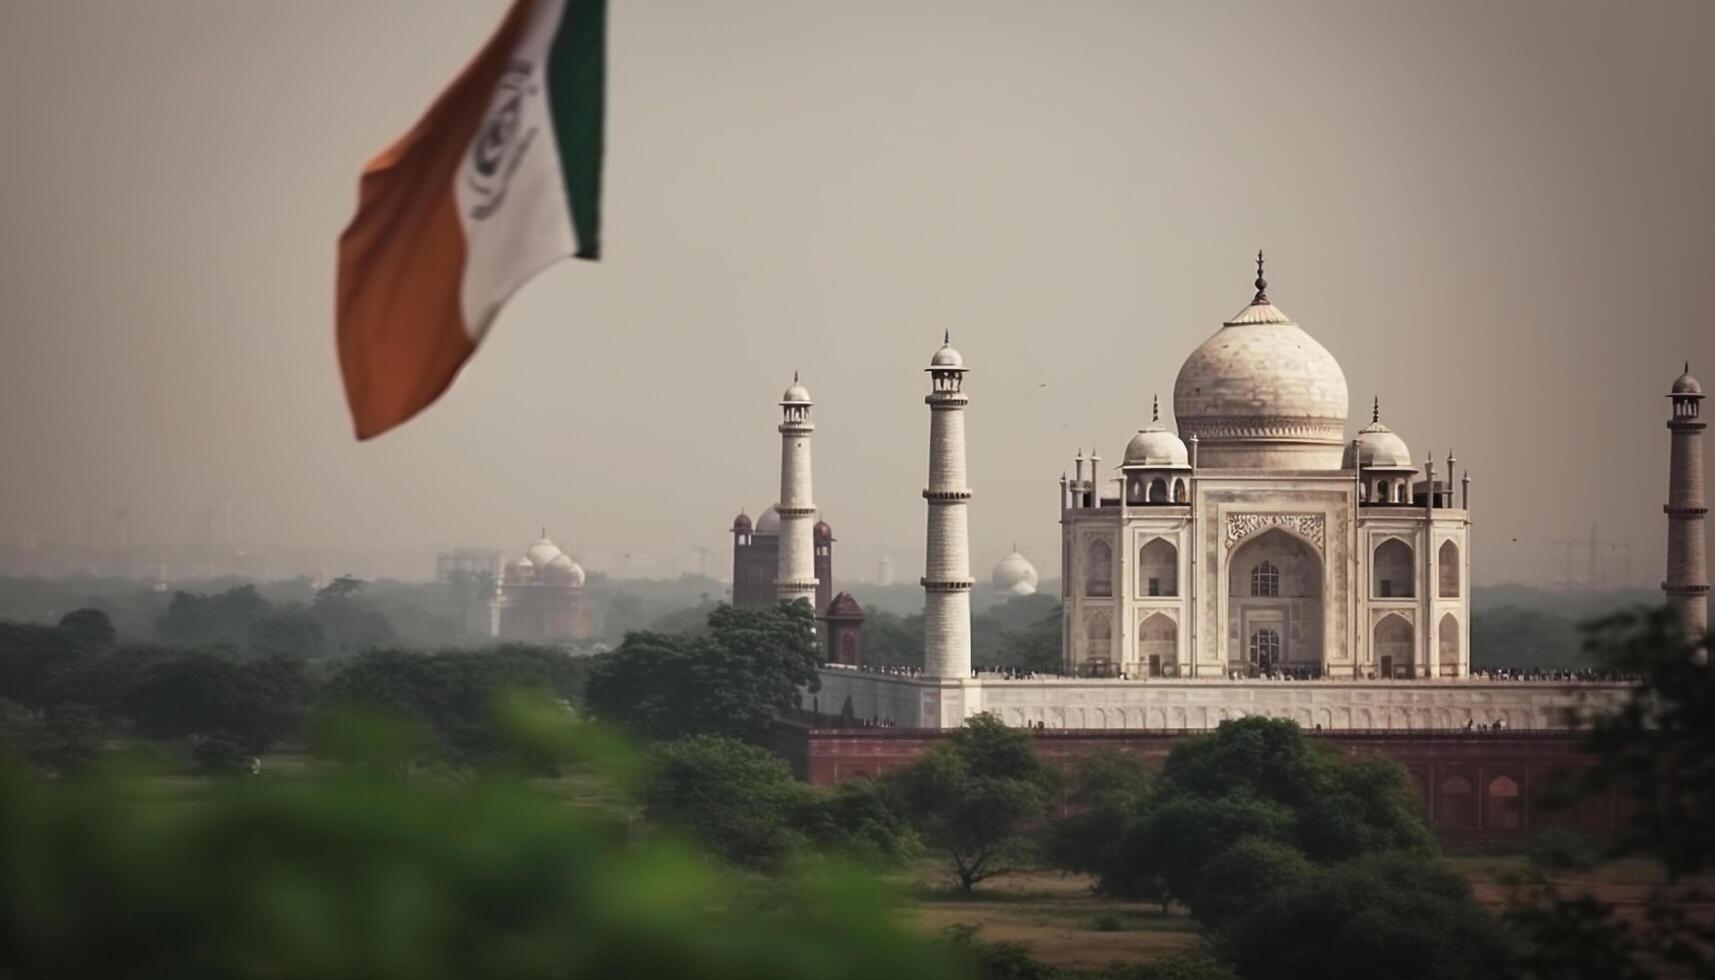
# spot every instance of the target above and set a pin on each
(1378, 447)
(741, 522)
(797, 394)
(1686, 384)
(543, 551)
(1014, 575)
(1155, 446)
(822, 531)
(946, 358)
(769, 522)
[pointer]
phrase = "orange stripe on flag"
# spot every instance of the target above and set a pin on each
(401, 333)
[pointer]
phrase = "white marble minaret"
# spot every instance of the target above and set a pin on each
(795, 575)
(947, 568)
(1687, 583)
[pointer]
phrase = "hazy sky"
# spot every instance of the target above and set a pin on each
(1496, 215)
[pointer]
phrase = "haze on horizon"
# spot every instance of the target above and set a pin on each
(1496, 216)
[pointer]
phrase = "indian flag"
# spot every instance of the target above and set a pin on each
(498, 180)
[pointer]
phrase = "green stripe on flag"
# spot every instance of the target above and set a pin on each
(577, 81)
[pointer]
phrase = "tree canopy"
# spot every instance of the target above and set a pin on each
(971, 796)
(734, 679)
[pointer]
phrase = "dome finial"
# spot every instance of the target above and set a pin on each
(1261, 297)
(947, 335)
(794, 377)
(544, 530)
(1376, 410)
(1155, 409)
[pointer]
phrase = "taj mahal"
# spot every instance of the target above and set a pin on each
(1250, 560)
(1257, 539)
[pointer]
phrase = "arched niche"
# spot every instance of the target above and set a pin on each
(1393, 569)
(1158, 568)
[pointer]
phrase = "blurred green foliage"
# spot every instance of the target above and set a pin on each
(347, 874)
(1658, 750)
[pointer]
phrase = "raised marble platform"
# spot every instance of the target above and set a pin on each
(1163, 704)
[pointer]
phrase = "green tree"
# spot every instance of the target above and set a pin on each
(68, 738)
(1393, 915)
(736, 799)
(453, 691)
(89, 630)
(256, 703)
(32, 657)
(857, 820)
(224, 619)
(1243, 875)
(971, 798)
(744, 671)
(891, 639)
(197, 694)
(1105, 791)
(347, 620)
(1036, 646)
(1262, 778)
(289, 632)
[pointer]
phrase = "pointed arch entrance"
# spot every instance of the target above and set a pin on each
(1274, 603)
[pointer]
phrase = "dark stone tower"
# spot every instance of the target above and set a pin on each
(754, 557)
(845, 630)
(1687, 582)
(824, 539)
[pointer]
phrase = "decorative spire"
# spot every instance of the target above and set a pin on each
(794, 377)
(544, 530)
(1261, 297)
(1155, 409)
(947, 336)
(1376, 410)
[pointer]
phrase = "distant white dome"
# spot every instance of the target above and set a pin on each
(1015, 575)
(564, 571)
(522, 569)
(769, 522)
(543, 552)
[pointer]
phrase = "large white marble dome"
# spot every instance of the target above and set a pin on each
(1262, 394)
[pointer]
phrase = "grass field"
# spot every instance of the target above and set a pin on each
(1061, 922)
(1054, 915)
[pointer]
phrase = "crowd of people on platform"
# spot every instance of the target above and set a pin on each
(1278, 672)
(1589, 674)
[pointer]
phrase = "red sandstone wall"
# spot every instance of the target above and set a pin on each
(1476, 786)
